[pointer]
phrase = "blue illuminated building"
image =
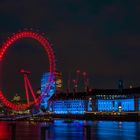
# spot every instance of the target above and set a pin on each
(47, 94)
(113, 105)
(69, 107)
(89, 105)
(97, 100)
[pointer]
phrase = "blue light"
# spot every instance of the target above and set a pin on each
(139, 103)
(51, 91)
(69, 107)
(89, 106)
(113, 105)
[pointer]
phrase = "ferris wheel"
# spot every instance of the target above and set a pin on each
(52, 68)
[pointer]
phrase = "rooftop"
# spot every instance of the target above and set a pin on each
(94, 92)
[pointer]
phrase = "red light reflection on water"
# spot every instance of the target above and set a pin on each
(4, 131)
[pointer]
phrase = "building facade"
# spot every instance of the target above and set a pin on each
(97, 100)
(55, 87)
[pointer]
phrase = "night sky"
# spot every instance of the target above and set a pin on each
(99, 37)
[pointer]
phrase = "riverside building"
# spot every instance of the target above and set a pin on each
(97, 100)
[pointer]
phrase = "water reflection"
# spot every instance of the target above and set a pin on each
(59, 130)
(4, 131)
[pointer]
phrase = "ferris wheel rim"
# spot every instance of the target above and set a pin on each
(49, 52)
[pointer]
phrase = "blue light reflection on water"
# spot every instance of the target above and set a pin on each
(100, 130)
(69, 131)
(118, 130)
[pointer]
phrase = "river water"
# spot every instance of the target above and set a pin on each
(76, 130)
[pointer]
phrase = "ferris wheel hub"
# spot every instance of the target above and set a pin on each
(22, 71)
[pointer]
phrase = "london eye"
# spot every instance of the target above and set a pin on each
(27, 85)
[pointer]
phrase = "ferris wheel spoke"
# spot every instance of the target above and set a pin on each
(52, 67)
(32, 92)
(26, 90)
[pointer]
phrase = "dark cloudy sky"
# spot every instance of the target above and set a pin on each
(100, 37)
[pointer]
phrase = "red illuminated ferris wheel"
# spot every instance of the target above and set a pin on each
(52, 67)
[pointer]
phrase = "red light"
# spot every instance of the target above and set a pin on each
(45, 44)
(84, 73)
(78, 71)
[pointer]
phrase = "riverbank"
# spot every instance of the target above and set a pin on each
(95, 116)
(127, 116)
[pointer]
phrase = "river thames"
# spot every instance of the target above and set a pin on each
(76, 130)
